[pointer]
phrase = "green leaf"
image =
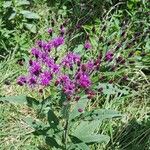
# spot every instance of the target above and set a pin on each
(22, 2)
(83, 146)
(76, 36)
(79, 146)
(52, 118)
(12, 16)
(95, 138)
(21, 100)
(82, 103)
(79, 49)
(109, 89)
(29, 15)
(101, 114)
(7, 4)
(51, 141)
(35, 123)
(86, 127)
(31, 27)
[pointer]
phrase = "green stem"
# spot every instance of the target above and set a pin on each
(65, 133)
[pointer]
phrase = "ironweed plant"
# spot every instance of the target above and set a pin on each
(69, 77)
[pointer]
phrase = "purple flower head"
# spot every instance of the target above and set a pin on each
(69, 88)
(83, 80)
(44, 56)
(70, 59)
(21, 80)
(49, 62)
(109, 56)
(87, 45)
(35, 52)
(67, 84)
(35, 69)
(58, 41)
(32, 81)
(55, 68)
(47, 47)
(64, 78)
(40, 43)
(45, 78)
(90, 65)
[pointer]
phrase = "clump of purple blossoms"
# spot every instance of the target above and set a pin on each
(69, 73)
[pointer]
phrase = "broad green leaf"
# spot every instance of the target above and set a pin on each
(95, 138)
(83, 146)
(109, 89)
(29, 15)
(31, 27)
(35, 124)
(79, 146)
(52, 142)
(21, 100)
(87, 127)
(52, 118)
(82, 103)
(101, 114)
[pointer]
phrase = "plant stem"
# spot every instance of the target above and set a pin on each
(65, 133)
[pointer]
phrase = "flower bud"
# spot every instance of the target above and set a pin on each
(77, 98)
(100, 90)
(110, 81)
(83, 67)
(7, 82)
(80, 110)
(56, 82)
(41, 91)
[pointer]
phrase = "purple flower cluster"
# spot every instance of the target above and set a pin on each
(42, 66)
(45, 78)
(70, 59)
(67, 84)
(70, 73)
